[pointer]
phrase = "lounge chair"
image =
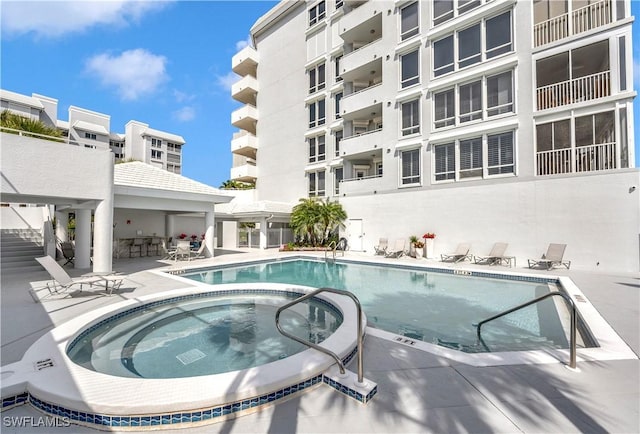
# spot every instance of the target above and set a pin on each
(168, 252)
(398, 249)
(495, 256)
(183, 250)
(553, 257)
(62, 281)
(381, 248)
(461, 253)
(68, 252)
(199, 252)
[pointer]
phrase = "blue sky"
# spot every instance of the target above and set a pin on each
(167, 64)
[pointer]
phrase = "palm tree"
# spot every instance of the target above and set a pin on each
(236, 185)
(332, 217)
(315, 220)
(23, 123)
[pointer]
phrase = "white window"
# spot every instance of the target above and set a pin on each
(378, 168)
(316, 183)
(156, 155)
(338, 99)
(317, 115)
(444, 10)
(466, 45)
(410, 161)
(500, 150)
(470, 101)
(317, 78)
(445, 107)
(339, 4)
(445, 158)
(90, 136)
(337, 61)
(500, 94)
(156, 143)
(553, 136)
(411, 117)
(338, 138)
(338, 177)
(464, 159)
(410, 74)
(595, 129)
(317, 13)
(317, 149)
(409, 26)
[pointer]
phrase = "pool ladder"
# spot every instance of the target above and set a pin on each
(572, 310)
(332, 247)
(318, 347)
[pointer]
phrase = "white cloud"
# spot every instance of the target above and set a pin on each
(57, 18)
(244, 43)
(184, 114)
(133, 73)
(182, 96)
(226, 81)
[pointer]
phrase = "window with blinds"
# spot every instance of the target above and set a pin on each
(471, 158)
(500, 150)
(410, 70)
(445, 162)
(410, 167)
(409, 26)
(411, 117)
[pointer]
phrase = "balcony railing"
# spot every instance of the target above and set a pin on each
(581, 20)
(591, 158)
(572, 91)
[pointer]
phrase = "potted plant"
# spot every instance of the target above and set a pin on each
(418, 246)
(428, 244)
(182, 236)
(412, 245)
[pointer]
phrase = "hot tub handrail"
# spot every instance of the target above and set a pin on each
(572, 309)
(318, 347)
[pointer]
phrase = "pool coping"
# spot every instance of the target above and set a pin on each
(610, 345)
(49, 380)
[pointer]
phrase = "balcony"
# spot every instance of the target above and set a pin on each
(591, 158)
(245, 173)
(362, 103)
(361, 143)
(245, 62)
(245, 118)
(572, 23)
(245, 144)
(365, 185)
(362, 25)
(360, 63)
(573, 91)
(245, 90)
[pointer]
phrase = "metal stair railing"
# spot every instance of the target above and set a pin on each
(318, 347)
(331, 247)
(573, 327)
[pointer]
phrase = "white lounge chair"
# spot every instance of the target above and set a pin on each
(199, 252)
(381, 248)
(62, 281)
(495, 256)
(461, 253)
(553, 257)
(168, 252)
(398, 249)
(183, 250)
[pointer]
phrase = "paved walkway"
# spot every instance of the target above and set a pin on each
(418, 391)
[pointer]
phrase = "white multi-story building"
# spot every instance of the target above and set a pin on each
(93, 130)
(479, 120)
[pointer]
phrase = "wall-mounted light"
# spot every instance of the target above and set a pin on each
(128, 222)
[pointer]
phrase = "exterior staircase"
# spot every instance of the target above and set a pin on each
(19, 248)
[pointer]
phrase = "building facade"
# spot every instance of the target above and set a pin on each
(93, 130)
(482, 121)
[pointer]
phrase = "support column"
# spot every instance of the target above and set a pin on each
(103, 236)
(62, 225)
(83, 239)
(169, 225)
(264, 226)
(209, 234)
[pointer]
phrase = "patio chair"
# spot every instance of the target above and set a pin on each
(62, 281)
(461, 253)
(183, 249)
(398, 249)
(68, 252)
(495, 256)
(167, 252)
(553, 257)
(199, 252)
(381, 248)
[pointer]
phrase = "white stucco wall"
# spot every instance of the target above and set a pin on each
(15, 217)
(597, 216)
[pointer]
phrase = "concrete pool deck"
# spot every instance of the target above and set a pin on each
(418, 391)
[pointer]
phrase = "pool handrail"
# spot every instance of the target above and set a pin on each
(318, 347)
(573, 327)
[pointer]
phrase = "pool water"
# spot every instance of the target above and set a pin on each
(423, 305)
(201, 337)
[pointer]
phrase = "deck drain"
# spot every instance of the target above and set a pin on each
(191, 356)
(43, 364)
(579, 298)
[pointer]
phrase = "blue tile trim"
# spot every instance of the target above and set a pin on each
(200, 415)
(209, 294)
(352, 393)
(15, 400)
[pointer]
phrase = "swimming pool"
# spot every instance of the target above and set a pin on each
(430, 305)
(200, 336)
